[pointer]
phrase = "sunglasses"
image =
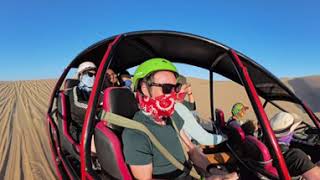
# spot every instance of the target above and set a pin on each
(90, 74)
(167, 88)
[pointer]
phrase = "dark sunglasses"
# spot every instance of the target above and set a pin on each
(90, 74)
(167, 88)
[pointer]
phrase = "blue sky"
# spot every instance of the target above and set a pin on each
(39, 38)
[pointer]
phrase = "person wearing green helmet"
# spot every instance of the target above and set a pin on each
(155, 83)
(238, 112)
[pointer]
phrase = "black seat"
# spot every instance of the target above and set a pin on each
(120, 101)
(252, 152)
(70, 83)
(68, 143)
(220, 123)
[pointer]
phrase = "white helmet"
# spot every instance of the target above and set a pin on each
(87, 65)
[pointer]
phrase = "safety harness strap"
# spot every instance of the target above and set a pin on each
(131, 124)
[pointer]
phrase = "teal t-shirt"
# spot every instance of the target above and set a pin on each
(138, 149)
(189, 105)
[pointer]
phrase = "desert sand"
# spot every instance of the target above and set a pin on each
(24, 148)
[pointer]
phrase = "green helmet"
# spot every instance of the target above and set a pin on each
(237, 107)
(150, 66)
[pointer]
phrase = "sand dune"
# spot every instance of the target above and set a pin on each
(227, 93)
(308, 88)
(24, 147)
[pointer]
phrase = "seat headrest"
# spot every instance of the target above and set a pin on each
(70, 83)
(121, 101)
(109, 153)
(235, 133)
(257, 149)
(220, 122)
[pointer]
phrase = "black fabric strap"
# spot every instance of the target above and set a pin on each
(187, 166)
(209, 167)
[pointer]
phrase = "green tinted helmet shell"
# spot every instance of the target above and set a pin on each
(150, 66)
(237, 107)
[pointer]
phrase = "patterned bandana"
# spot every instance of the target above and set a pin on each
(159, 107)
(181, 96)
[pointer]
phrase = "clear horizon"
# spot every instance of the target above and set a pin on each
(40, 38)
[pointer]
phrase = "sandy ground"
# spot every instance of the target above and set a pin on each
(24, 148)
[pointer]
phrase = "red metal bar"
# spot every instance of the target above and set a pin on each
(64, 122)
(58, 152)
(53, 154)
(84, 133)
(283, 171)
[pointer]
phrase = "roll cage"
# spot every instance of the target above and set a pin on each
(130, 49)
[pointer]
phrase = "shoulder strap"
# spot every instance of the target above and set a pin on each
(128, 123)
(182, 146)
(178, 133)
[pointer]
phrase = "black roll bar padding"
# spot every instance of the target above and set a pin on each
(87, 130)
(265, 103)
(279, 107)
(211, 96)
(211, 84)
(217, 60)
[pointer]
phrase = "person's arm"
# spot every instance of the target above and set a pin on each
(312, 174)
(142, 172)
(201, 161)
(195, 154)
(189, 105)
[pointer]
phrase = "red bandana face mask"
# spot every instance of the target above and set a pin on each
(181, 96)
(159, 107)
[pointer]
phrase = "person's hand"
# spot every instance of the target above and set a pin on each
(231, 176)
(186, 88)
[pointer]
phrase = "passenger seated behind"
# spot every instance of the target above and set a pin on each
(155, 83)
(250, 127)
(79, 96)
(191, 127)
(125, 79)
(111, 79)
(238, 112)
(186, 90)
(298, 162)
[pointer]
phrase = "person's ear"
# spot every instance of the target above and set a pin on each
(144, 89)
